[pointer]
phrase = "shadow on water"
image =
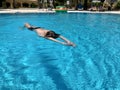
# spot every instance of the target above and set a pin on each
(53, 72)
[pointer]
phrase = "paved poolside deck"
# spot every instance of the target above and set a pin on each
(25, 11)
(50, 11)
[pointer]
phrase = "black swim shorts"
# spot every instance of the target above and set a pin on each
(52, 34)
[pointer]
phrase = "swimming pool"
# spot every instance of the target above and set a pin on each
(28, 62)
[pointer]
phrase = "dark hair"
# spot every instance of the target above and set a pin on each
(32, 28)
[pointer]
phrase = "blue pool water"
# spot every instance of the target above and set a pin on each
(28, 62)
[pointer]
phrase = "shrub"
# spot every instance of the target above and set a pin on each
(116, 5)
(4, 5)
(33, 5)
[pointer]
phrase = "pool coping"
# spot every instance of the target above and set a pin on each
(5, 11)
